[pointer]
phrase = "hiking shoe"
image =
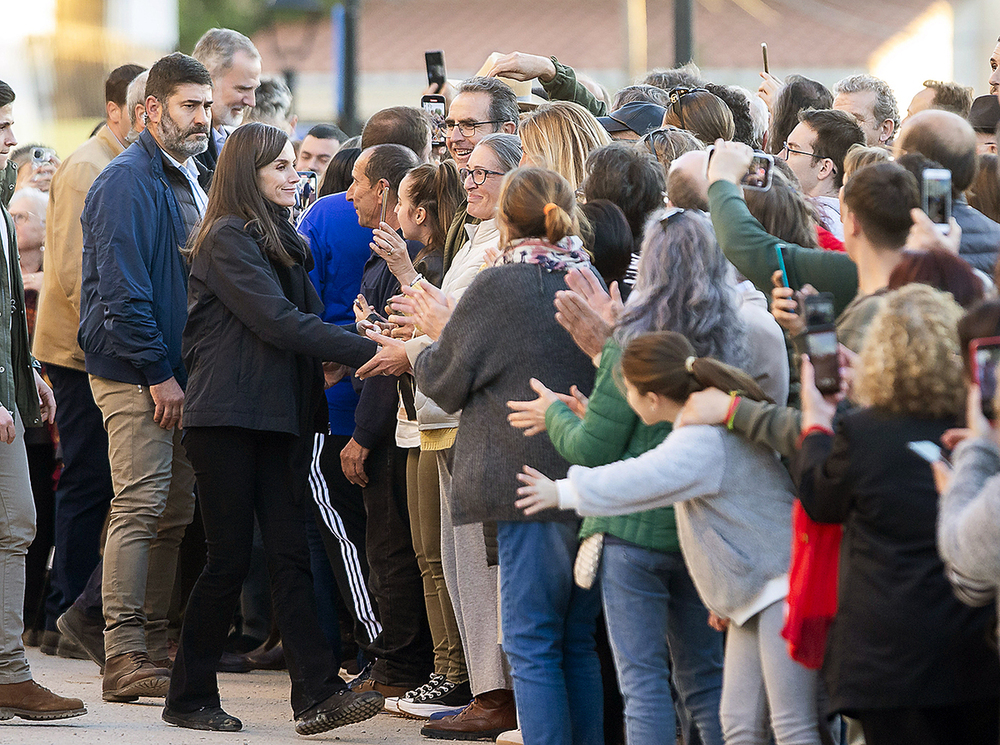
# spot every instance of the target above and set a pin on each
(342, 708)
(29, 700)
(130, 675)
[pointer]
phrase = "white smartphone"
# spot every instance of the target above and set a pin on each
(929, 451)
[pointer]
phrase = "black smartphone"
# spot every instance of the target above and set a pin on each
(758, 175)
(935, 196)
(821, 340)
(434, 105)
(984, 354)
(435, 67)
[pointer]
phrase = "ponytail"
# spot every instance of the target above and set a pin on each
(438, 189)
(557, 223)
(664, 362)
(536, 203)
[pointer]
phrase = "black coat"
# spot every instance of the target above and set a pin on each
(253, 340)
(900, 637)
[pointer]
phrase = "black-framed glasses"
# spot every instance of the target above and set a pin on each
(677, 95)
(478, 175)
(468, 129)
(786, 149)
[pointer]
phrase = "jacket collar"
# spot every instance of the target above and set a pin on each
(107, 137)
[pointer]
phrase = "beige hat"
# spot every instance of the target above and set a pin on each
(526, 100)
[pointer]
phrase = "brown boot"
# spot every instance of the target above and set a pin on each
(488, 716)
(130, 675)
(29, 700)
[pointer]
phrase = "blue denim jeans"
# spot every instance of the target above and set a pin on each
(655, 617)
(548, 628)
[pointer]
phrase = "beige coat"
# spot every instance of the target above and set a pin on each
(59, 303)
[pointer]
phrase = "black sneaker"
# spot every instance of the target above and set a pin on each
(446, 696)
(343, 707)
(211, 718)
(392, 702)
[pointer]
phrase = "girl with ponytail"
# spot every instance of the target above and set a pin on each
(733, 504)
(429, 197)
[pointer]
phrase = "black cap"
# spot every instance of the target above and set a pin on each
(639, 116)
(985, 114)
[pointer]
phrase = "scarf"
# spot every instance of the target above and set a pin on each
(552, 257)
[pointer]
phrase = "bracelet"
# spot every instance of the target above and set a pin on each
(734, 401)
(416, 279)
(815, 428)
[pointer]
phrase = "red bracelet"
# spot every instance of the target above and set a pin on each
(814, 428)
(733, 403)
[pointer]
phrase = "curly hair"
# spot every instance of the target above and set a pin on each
(910, 362)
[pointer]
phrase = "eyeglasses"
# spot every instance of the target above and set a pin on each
(22, 217)
(468, 129)
(478, 175)
(676, 96)
(786, 151)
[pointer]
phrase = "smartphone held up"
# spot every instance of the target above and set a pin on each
(821, 341)
(758, 175)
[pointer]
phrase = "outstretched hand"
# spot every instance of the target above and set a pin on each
(588, 329)
(521, 66)
(607, 303)
(530, 415)
(538, 494)
(729, 162)
(430, 307)
(390, 359)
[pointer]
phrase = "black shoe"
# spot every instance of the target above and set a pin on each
(87, 632)
(50, 642)
(208, 717)
(343, 707)
(230, 662)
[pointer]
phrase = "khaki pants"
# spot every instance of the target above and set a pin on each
(153, 504)
(17, 531)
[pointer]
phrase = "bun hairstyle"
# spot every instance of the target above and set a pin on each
(664, 363)
(536, 203)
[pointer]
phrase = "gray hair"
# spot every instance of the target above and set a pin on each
(135, 95)
(218, 46)
(503, 100)
(685, 284)
(274, 102)
(885, 100)
(39, 197)
(506, 147)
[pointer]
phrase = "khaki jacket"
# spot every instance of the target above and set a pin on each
(58, 317)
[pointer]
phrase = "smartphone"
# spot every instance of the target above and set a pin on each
(781, 263)
(818, 310)
(821, 344)
(435, 67)
(434, 105)
(758, 175)
(306, 189)
(935, 197)
(985, 355)
(929, 451)
(763, 51)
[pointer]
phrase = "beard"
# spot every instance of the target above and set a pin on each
(178, 140)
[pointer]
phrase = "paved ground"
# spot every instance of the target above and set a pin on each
(259, 698)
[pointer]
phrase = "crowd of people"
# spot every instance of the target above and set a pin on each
(542, 424)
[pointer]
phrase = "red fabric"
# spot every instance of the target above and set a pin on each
(827, 240)
(812, 591)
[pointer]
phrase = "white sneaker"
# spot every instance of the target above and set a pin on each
(392, 703)
(511, 738)
(446, 697)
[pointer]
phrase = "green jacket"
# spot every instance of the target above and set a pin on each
(17, 379)
(611, 431)
(751, 250)
(565, 87)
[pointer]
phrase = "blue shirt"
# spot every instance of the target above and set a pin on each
(340, 248)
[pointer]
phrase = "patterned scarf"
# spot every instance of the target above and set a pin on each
(552, 257)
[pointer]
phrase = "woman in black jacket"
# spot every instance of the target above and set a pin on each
(253, 347)
(903, 655)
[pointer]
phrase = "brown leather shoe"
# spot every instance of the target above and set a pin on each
(130, 675)
(387, 691)
(29, 700)
(488, 716)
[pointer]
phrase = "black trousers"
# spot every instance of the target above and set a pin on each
(84, 491)
(242, 473)
(342, 524)
(404, 649)
(969, 723)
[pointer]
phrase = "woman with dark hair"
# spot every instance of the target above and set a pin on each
(609, 239)
(338, 173)
(500, 334)
(796, 94)
(252, 347)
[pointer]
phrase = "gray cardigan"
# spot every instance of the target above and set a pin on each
(732, 499)
(502, 333)
(968, 529)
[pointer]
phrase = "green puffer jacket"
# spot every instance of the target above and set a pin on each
(611, 431)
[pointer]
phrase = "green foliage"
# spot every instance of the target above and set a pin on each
(245, 16)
